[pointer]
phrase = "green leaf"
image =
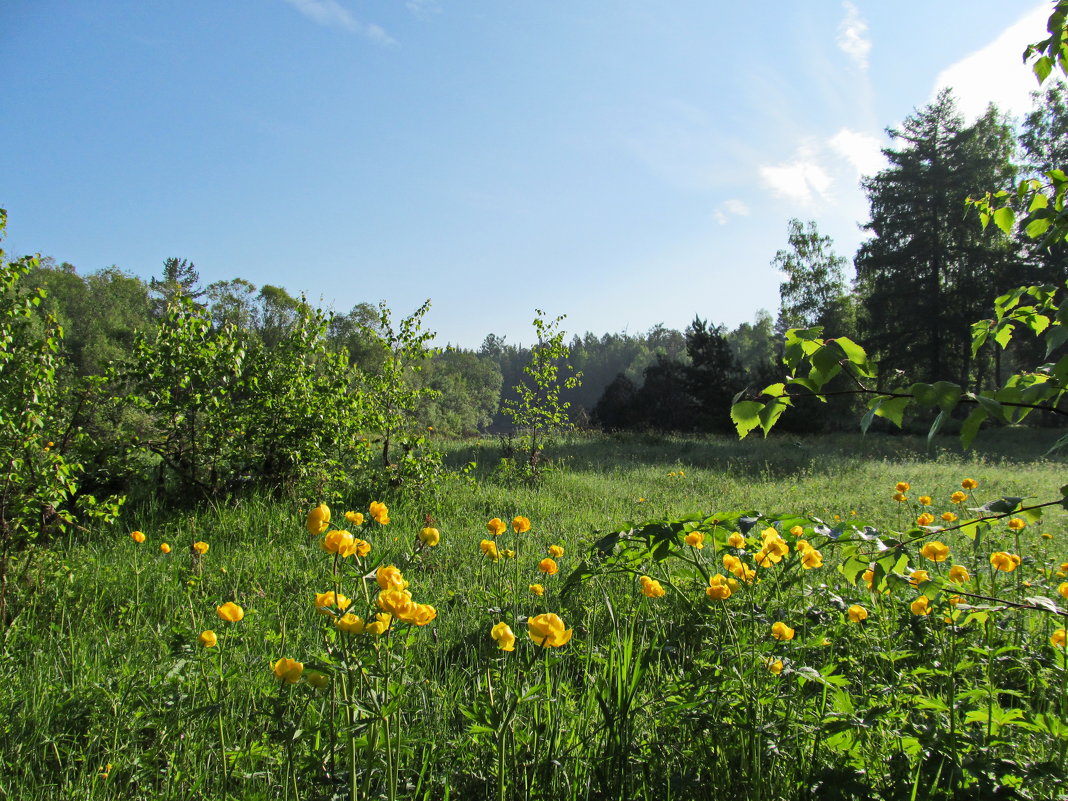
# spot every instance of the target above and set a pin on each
(893, 409)
(970, 427)
(746, 416)
(771, 412)
(936, 426)
(1039, 201)
(1003, 335)
(1037, 227)
(1005, 218)
(947, 395)
(1042, 68)
(923, 393)
(992, 407)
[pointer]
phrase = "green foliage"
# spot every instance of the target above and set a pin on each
(537, 411)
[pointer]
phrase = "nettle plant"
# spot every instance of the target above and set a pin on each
(538, 412)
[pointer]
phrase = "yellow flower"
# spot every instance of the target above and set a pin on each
(857, 613)
(137, 537)
(774, 665)
(520, 524)
(969, 483)
(318, 520)
(1006, 562)
(489, 547)
(200, 547)
(780, 631)
(918, 576)
(288, 670)
(165, 547)
(811, 558)
(869, 577)
(496, 526)
(958, 497)
(1016, 524)
(208, 639)
(797, 531)
(396, 602)
(925, 519)
(504, 636)
(641, 500)
(1063, 589)
(736, 540)
(389, 577)
(948, 517)
(230, 612)
(380, 625)
(380, 513)
(695, 539)
(1060, 636)
(902, 486)
(682, 473)
(651, 588)
(548, 630)
(958, 574)
(362, 547)
(430, 536)
(350, 623)
(356, 518)
(324, 600)
(548, 566)
(317, 679)
(556, 551)
(900, 497)
(935, 551)
(537, 589)
(508, 553)
(718, 589)
(1046, 535)
(921, 606)
(924, 500)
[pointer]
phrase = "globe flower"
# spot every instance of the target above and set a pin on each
(548, 566)
(695, 539)
(340, 542)
(857, 613)
(318, 520)
(356, 518)
(496, 526)
(556, 551)
(350, 623)
(537, 589)
(958, 574)
(900, 497)
(137, 537)
(958, 497)
(208, 639)
(797, 531)
(288, 670)
(1063, 589)
(774, 665)
(430, 536)
(489, 548)
(802, 545)
(718, 589)
(916, 577)
(388, 577)
(1005, 562)
(548, 630)
(396, 602)
(651, 588)
(1016, 524)
(969, 483)
(811, 558)
(925, 519)
(736, 540)
(380, 513)
(949, 517)
(230, 612)
(421, 615)
(921, 606)
(520, 524)
(362, 547)
(924, 500)
(935, 551)
(504, 636)
(324, 600)
(316, 679)
(1060, 636)
(869, 577)
(200, 547)
(902, 486)
(165, 547)
(780, 631)
(380, 625)
(508, 553)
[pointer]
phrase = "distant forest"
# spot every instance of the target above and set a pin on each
(927, 271)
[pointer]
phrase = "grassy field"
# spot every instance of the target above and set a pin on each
(109, 693)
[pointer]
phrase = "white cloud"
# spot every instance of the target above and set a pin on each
(728, 208)
(851, 36)
(423, 9)
(801, 179)
(996, 73)
(332, 13)
(861, 150)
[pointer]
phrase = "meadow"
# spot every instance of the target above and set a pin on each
(224, 668)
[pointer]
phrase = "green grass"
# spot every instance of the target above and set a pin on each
(664, 698)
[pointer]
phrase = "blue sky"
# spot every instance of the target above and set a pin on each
(623, 162)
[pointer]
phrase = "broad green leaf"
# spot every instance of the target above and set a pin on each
(947, 395)
(970, 427)
(893, 409)
(771, 412)
(746, 416)
(923, 393)
(1005, 218)
(1037, 227)
(1003, 335)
